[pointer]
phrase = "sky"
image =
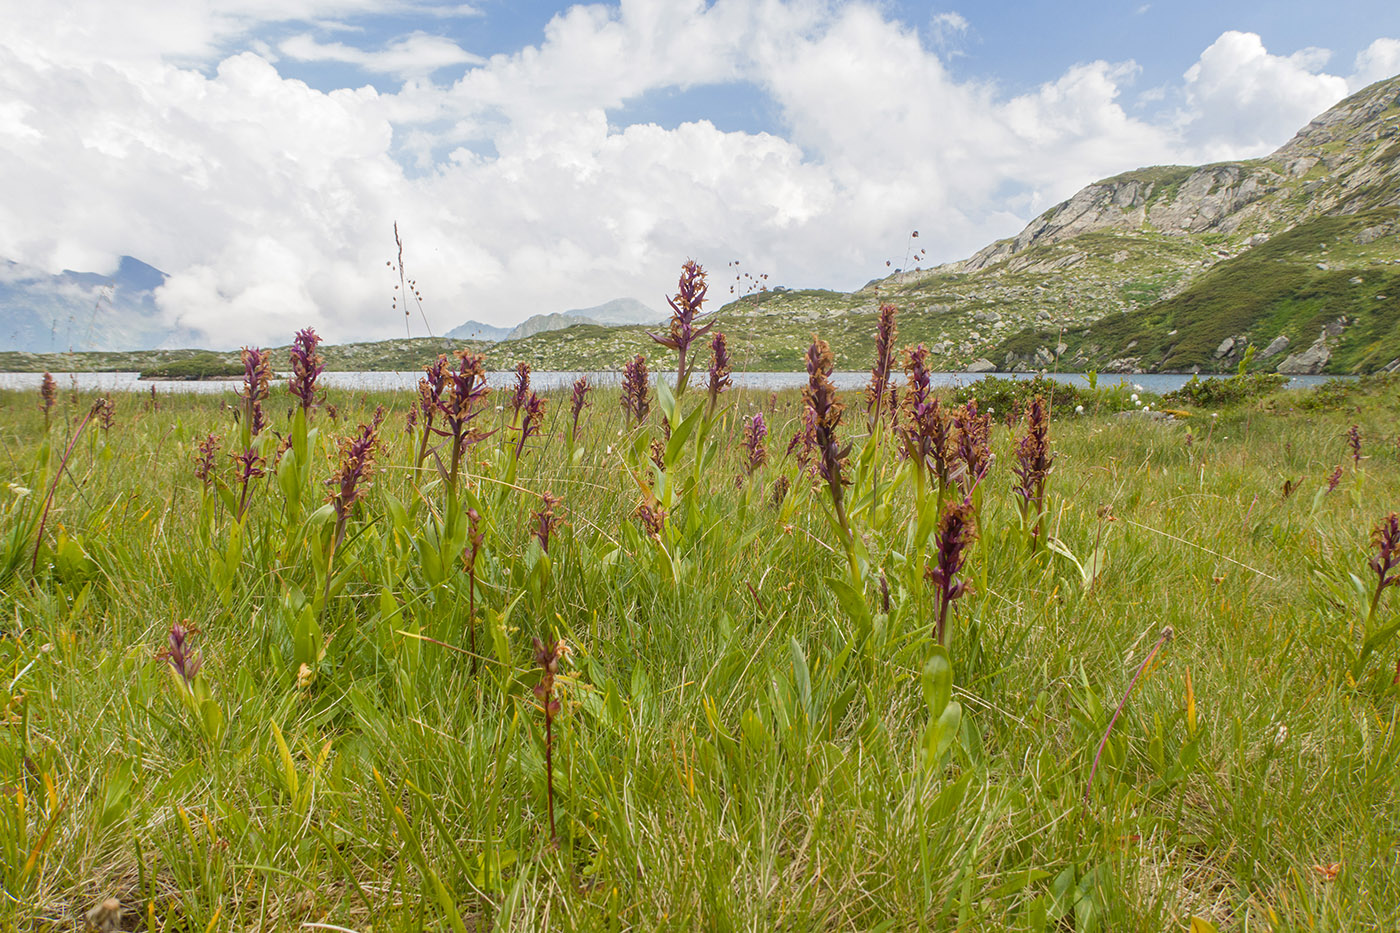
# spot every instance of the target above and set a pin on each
(541, 156)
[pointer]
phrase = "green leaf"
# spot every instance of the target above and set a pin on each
(938, 681)
(289, 771)
(851, 601)
(940, 734)
(801, 675)
(665, 399)
(681, 434)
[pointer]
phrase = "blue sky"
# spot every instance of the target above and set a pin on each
(541, 156)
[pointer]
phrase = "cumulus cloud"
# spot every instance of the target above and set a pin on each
(1238, 95)
(1376, 62)
(271, 203)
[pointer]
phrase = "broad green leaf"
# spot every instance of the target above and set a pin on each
(938, 680)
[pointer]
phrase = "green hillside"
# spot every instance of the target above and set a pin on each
(1329, 273)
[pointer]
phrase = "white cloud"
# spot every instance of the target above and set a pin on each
(415, 55)
(1376, 62)
(271, 203)
(1238, 97)
(948, 28)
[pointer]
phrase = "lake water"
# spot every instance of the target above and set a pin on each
(386, 381)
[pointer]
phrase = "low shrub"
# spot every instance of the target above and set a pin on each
(1222, 393)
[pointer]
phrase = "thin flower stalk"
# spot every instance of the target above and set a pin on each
(719, 370)
(462, 401)
(353, 473)
(53, 486)
(1033, 459)
(306, 365)
(685, 328)
(636, 386)
(48, 395)
(248, 466)
(1354, 443)
(521, 395)
(547, 658)
(546, 520)
(1166, 636)
(470, 553)
(185, 659)
(1385, 538)
(956, 532)
(531, 423)
(825, 418)
(430, 401)
(755, 443)
(885, 331)
(257, 374)
(577, 401)
(205, 460)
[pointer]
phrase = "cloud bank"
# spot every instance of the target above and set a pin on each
(272, 203)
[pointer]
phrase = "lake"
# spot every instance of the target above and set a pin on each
(384, 381)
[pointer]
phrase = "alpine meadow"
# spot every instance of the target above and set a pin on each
(1055, 589)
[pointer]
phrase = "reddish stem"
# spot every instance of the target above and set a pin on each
(53, 487)
(1166, 637)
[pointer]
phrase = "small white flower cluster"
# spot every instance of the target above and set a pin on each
(1079, 409)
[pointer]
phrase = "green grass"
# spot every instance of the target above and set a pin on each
(739, 744)
(1274, 289)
